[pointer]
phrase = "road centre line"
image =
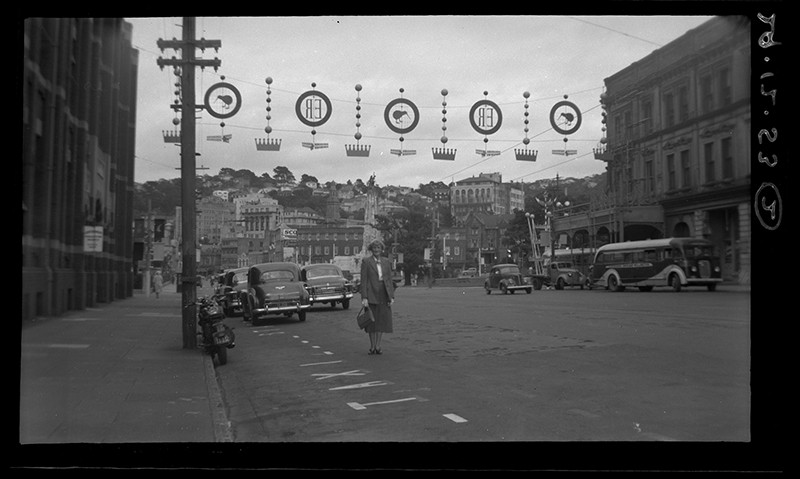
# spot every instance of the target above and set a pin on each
(359, 386)
(361, 407)
(320, 364)
(354, 372)
(454, 418)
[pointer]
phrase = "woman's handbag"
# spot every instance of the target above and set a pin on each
(364, 317)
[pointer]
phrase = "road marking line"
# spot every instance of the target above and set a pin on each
(359, 386)
(315, 347)
(360, 407)
(320, 364)
(354, 372)
(455, 418)
(304, 342)
(329, 353)
(270, 334)
(68, 346)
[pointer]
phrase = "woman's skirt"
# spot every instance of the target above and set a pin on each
(382, 313)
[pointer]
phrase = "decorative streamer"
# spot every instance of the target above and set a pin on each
(268, 144)
(357, 149)
(565, 118)
(401, 116)
(486, 118)
(524, 154)
(444, 153)
(310, 111)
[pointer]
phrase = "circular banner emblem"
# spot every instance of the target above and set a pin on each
(485, 117)
(401, 116)
(313, 108)
(222, 100)
(565, 117)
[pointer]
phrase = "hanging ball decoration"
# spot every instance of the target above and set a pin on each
(526, 141)
(268, 80)
(444, 140)
(268, 130)
(604, 140)
(357, 136)
(444, 118)
(222, 124)
(176, 121)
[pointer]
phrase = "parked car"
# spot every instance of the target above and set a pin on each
(469, 273)
(326, 283)
(507, 279)
(234, 282)
(560, 275)
(275, 289)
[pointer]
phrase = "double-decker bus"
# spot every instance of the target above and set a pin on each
(673, 262)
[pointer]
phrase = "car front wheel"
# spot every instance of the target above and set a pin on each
(301, 315)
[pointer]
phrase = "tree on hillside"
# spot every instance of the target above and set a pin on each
(305, 178)
(283, 176)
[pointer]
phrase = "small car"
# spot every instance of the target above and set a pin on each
(507, 279)
(234, 282)
(326, 283)
(469, 273)
(275, 289)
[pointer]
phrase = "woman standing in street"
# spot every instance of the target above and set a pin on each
(158, 283)
(377, 293)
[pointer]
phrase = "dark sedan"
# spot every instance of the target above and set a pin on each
(275, 289)
(326, 284)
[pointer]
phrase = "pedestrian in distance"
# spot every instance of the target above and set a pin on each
(158, 283)
(377, 293)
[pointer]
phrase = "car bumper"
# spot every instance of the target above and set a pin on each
(280, 309)
(702, 281)
(321, 298)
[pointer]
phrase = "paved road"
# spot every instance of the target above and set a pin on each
(462, 366)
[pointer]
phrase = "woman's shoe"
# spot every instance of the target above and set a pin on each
(372, 351)
(378, 351)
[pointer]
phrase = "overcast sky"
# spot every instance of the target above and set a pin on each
(505, 56)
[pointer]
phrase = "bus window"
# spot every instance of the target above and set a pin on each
(697, 251)
(650, 255)
(666, 253)
(627, 257)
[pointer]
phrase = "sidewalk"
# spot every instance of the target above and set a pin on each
(117, 373)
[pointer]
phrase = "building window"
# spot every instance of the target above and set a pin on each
(727, 158)
(628, 126)
(347, 251)
(327, 250)
(725, 90)
(671, 172)
(686, 169)
(683, 103)
(356, 249)
(706, 93)
(650, 176)
(669, 109)
(457, 250)
(316, 249)
(708, 159)
(647, 116)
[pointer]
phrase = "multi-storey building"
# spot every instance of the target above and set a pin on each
(319, 244)
(483, 240)
(213, 214)
(485, 193)
(78, 131)
(678, 147)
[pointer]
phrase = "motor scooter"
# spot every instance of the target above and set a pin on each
(217, 337)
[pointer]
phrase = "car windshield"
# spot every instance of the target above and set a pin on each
(319, 272)
(697, 251)
(508, 270)
(277, 275)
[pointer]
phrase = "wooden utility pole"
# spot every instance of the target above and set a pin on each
(185, 68)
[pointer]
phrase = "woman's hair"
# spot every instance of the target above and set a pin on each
(375, 243)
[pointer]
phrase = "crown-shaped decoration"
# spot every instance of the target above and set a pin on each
(444, 153)
(357, 150)
(268, 144)
(524, 154)
(602, 154)
(171, 136)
